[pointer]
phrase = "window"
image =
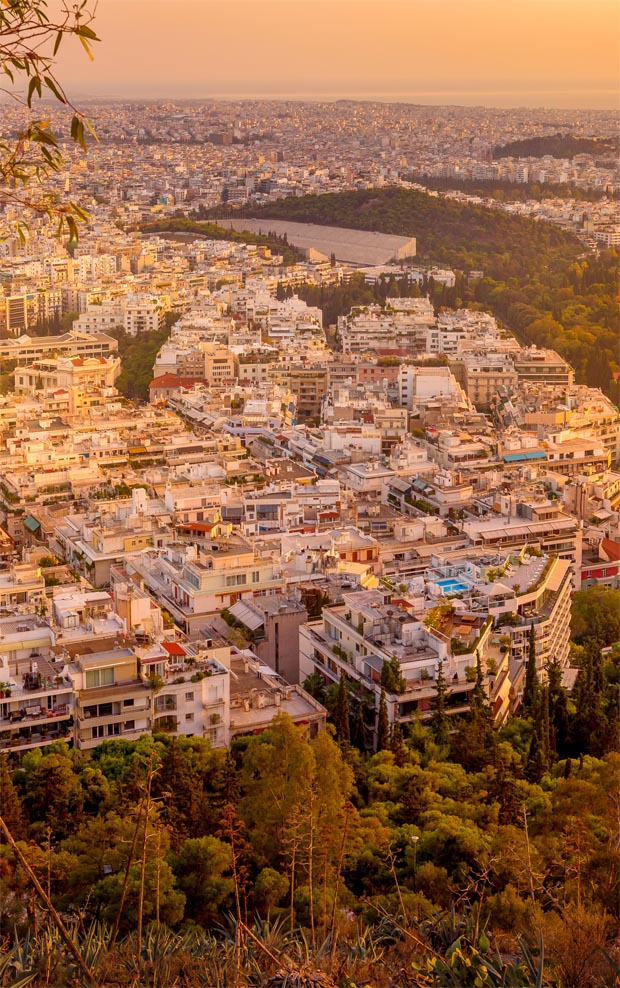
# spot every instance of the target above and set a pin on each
(128, 703)
(193, 580)
(129, 725)
(189, 716)
(189, 696)
(99, 677)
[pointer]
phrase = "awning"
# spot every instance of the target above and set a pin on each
(247, 615)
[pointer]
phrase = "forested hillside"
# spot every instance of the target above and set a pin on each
(505, 191)
(537, 279)
(558, 146)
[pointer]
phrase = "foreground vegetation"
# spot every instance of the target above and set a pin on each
(472, 858)
(536, 278)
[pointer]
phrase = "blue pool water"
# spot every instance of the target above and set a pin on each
(451, 586)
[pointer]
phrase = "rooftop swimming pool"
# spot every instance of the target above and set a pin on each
(452, 586)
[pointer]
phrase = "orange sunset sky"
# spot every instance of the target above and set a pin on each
(497, 52)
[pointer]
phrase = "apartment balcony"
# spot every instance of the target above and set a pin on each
(118, 717)
(36, 716)
(166, 725)
(165, 704)
(35, 739)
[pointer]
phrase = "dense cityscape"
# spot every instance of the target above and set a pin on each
(310, 547)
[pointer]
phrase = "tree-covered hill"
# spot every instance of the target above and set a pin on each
(537, 279)
(467, 236)
(558, 146)
(504, 191)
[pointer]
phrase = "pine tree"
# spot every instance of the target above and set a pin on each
(439, 722)
(530, 689)
(383, 727)
(341, 716)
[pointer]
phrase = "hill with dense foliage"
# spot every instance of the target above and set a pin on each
(504, 191)
(446, 230)
(537, 279)
(558, 146)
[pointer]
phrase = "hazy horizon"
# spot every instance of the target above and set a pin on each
(554, 54)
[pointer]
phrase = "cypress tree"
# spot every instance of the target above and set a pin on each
(439, 721)
(343, 732)
(358, 728)
(530, 689)
(535, 766)
(547, 746)
(383, 727)
(397, 744)
(538, 759)
(587, 725)
(479, 700)
(558, 707)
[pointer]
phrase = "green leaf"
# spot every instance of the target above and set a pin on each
(51, 85)
(77, 131)
(86, 32)
(57, 42)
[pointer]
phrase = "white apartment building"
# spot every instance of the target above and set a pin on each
(402, 325)
(194, 583)
(417, 384)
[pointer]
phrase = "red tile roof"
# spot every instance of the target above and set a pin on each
(173, 381)
(611, 549)
(173, 648)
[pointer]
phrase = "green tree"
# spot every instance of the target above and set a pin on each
(392, 679)
(270, 888)
(597, 608)
(358, 727)
(10, 802)
(558, 707)
(202, 868)
(274, 774)
(53, 795)
(383, 726)
(341, 714)
(314, 684)
(397, 744)
(530, 689)
(439, 720)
